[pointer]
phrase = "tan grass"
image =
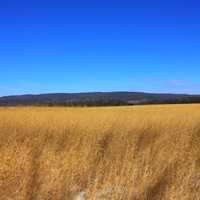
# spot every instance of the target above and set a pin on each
(118, 153)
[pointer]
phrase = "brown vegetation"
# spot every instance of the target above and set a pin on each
(127, 153)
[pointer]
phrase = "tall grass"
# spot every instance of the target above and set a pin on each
(118, 153)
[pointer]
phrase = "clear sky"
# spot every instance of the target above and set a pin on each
(77, 46)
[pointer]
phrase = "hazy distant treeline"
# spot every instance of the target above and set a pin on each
(98, 99)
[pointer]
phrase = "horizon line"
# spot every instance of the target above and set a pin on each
(90, 92)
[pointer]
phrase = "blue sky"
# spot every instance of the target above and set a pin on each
(78, 46)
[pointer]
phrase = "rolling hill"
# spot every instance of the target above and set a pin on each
(98, 99)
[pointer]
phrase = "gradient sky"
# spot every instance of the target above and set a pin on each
(78, 46)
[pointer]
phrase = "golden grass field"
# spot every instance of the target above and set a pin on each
(111, 153)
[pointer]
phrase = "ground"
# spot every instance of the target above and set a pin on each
(127, 153)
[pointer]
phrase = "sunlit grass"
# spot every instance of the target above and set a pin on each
(127, 153)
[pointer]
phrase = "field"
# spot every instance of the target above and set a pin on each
(110, 153)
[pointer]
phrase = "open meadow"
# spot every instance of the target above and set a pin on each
(104, 153)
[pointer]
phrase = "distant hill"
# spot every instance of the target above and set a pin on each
(98, 99)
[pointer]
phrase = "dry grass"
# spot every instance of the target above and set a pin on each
(127, 153)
